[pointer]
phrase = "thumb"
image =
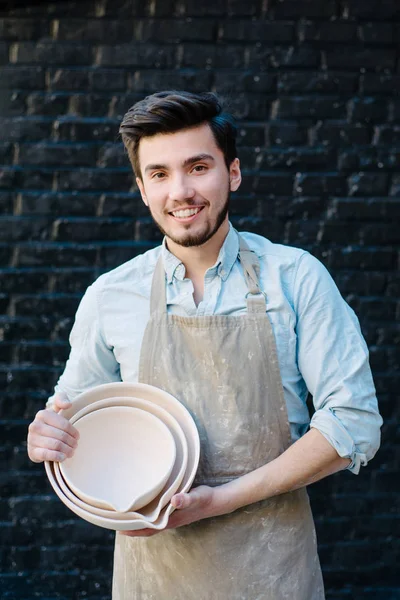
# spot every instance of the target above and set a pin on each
(61, 401)
(182, 500)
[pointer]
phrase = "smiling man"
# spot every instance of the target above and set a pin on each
(239, 329)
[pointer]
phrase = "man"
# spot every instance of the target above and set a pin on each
(238, 329)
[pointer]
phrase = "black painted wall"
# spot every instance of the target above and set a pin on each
(315, 86)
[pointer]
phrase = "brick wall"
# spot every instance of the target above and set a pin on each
(315, 86)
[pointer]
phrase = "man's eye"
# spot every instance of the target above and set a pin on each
(158, 175)
(199, 168)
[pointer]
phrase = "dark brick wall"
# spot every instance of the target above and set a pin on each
(315, 86)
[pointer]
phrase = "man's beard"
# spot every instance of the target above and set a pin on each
(200, 238)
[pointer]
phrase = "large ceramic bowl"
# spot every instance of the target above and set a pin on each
(151, 511)
(160, 398)
(124, 458)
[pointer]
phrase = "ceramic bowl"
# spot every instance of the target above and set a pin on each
(124, 458)
(160, 398)
(151, 511)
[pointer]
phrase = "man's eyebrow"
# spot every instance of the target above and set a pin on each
(189, 161)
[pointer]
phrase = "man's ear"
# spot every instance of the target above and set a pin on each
(235, 176)
(140, 185)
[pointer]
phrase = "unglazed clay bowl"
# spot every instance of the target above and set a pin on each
(151, 511)
(159, 398)
(124, 458)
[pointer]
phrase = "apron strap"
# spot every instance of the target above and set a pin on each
(255, 297)
(158, 296)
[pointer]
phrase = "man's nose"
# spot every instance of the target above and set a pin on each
(180, 189)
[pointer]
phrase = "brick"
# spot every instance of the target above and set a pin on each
(327, 31)
(93, 30)
(4, 49)
(23, 29)
(51, 53)
(368, 184)
(120, 8)
(287, 133)
(279, 184)
(251, 134)
(9, 177)
(89, 230)
(48, 202)
(6, 153)
(328, 82)
(46, 104)
(369, 158)
(340, 133)
(354, 57)
(376, 33)
(122, 205)
(296, 9)
(150, 80)
(90, 105)
(136, 55)
(299, 158)
(364, 209)
(395, 186)
(248, 106)
(315, 107)
(22, 77)
(158, 8)
(85, 130)
(263, 57)
(394, 111)
(174, 30)
(20, 129)
(94, 179)
(112, 155)
(385, 10)
(58, 305)
(15, 228)
(304, 207)
(23, 280)
(68, 79)
(12, 329)
(30, 254)
(191, 8)
(6, 202)
(56, 154)
(387, 135)
(211, 55)
(351, 257)
(319, 184)
(228, 82)
(238, 8)
(367, 110)
(357, 282)
(107, 79)
(39, 178)
(12, 103)
(379, 83)
(248, 30)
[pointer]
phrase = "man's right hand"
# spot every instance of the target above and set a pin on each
(51, 436)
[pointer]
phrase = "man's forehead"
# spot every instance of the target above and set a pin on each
(177, 146)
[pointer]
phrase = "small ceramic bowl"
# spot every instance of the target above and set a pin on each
(151, 511)
(124, 458)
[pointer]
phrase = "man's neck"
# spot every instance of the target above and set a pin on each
(197, 259)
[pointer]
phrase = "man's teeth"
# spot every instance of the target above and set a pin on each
(188, 212)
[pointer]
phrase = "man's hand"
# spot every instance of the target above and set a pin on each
(51, 436)
(200, 503)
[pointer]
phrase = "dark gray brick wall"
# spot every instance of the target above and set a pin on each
(315, 85)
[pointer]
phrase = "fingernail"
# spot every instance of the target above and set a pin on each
(178, 502)
(62, 456)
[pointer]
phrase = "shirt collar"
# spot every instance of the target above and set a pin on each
(223, 265)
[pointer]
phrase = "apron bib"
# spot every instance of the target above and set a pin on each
(225, 370)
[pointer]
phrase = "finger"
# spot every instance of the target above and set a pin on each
(61, 402)
(48, 443)
(40, 454)
(48, 431)
(183, 500)
(49, 417)
(140, 533)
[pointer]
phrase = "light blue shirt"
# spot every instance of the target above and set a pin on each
(319, 343)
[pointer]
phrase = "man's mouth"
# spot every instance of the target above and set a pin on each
(186, 213)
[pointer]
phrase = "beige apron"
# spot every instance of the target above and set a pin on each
(224, 369)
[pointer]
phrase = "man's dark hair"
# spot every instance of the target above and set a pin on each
(171, 111)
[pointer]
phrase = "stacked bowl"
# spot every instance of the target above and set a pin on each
(138, 446)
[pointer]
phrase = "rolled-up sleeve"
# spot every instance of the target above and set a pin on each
(333, 361)
(91, 360)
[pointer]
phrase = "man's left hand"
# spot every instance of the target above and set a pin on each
(199, 503)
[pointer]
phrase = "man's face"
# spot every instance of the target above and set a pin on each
(186, 184)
